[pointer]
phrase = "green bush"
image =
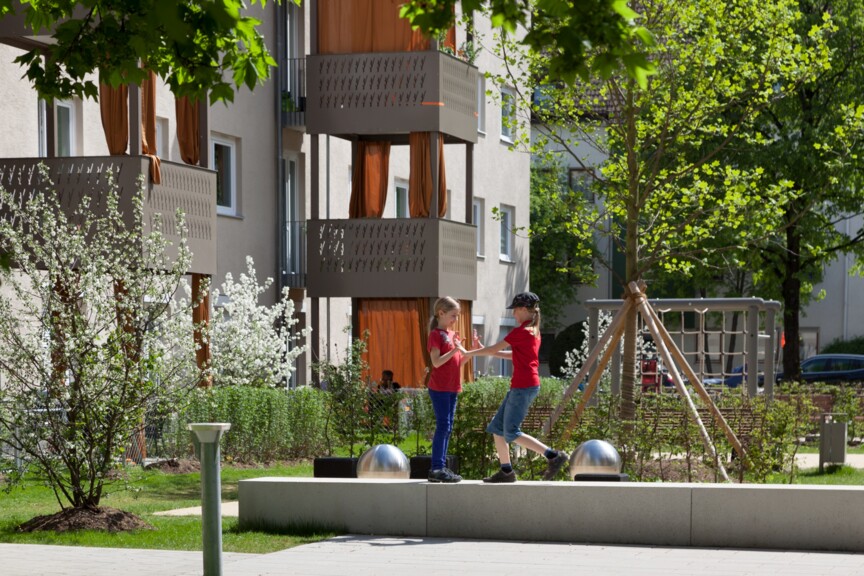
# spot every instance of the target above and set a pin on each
(852, 346)
(566, 341)
(267, 424)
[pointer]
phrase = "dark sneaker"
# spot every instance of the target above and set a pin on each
(444, 475)
(555, 465)
(501, 477)
(457, 477)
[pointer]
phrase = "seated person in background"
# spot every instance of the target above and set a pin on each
(387, 384)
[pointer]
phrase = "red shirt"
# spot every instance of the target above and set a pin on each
(526, 360)
(445, 378)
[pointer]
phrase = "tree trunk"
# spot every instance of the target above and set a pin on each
(791, 290)
(631, 252)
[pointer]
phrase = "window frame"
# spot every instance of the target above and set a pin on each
(478, 218)
(400, 184)
(508, 111)
(221, 209)
(506, 225)
(70, 106)
(481, 104)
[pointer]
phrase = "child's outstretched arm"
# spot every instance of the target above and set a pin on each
(497, 350)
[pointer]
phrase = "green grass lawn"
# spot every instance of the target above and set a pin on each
(833, 476)
(147, 492)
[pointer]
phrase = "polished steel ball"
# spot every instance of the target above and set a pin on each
(595, 457)
(383, 461)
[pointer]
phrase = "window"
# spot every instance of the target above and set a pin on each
(402, 199)
(65, 128)
(505, 365)
(508, 114)
(480, 362)
(506, 220)
(481, 103)
(580, 181)
(224, 162)
(162, 138)
(43, 130)
(477, 214)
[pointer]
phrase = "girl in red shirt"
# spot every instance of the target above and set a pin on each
(524, 347)
(445, 382)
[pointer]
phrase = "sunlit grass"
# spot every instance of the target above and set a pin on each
(145, 492)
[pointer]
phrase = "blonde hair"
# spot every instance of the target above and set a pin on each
(535, 320)
(442, 305)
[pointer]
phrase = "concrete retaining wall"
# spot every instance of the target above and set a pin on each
(706, 515)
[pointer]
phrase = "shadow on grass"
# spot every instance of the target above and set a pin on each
(315, 530)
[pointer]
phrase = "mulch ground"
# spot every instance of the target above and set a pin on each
(677, 470)
(102, 518)
(176, 466)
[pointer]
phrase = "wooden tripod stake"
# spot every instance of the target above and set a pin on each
(672, 357)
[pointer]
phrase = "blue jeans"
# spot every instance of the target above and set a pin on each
(508, 420)
(444, 405)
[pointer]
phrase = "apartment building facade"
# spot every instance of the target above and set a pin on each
(284, 168)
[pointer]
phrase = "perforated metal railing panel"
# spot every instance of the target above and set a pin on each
(391, 258)
(71, 180)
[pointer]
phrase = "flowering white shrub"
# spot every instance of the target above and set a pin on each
(85, 331)
(575, 359)
(252, 344)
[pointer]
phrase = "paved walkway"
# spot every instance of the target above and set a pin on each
(373, 556)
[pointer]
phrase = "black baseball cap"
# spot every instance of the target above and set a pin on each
(524, 299)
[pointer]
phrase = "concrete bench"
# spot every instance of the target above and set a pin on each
(705, 515)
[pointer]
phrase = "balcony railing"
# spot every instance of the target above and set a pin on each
(293, 78)
(398, 258)
(390, 93)
(188, 188)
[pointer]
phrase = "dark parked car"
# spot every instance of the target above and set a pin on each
(734, 379)
(831, 368)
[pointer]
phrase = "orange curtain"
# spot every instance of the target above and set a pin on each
(394, 342)
(420, 178)
(187, 129)
(114, 107)
(148, 126)
(351, 26)
(466, 330)
(369, 180)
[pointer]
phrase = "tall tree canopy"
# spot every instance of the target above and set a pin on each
(578, 37)
(200, 48)
(815, 140)
(664, 183)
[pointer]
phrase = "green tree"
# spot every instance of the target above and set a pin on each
(815, 139)
(668, 194)
(199, 48)
(561, 243)
(564, 30)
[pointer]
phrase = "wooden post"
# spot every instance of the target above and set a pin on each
(201, 320)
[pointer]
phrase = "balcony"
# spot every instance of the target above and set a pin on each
(394, 258)
(292, 74)
(188, 188)
(391, 93)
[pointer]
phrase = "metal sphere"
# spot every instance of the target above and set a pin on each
(595, 457)
(383, 461)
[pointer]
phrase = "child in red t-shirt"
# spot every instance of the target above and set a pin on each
(445, 382)
(505, 427)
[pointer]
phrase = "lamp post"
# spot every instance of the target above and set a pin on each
(208, 435)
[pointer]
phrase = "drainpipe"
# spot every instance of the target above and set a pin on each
(281, 255)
